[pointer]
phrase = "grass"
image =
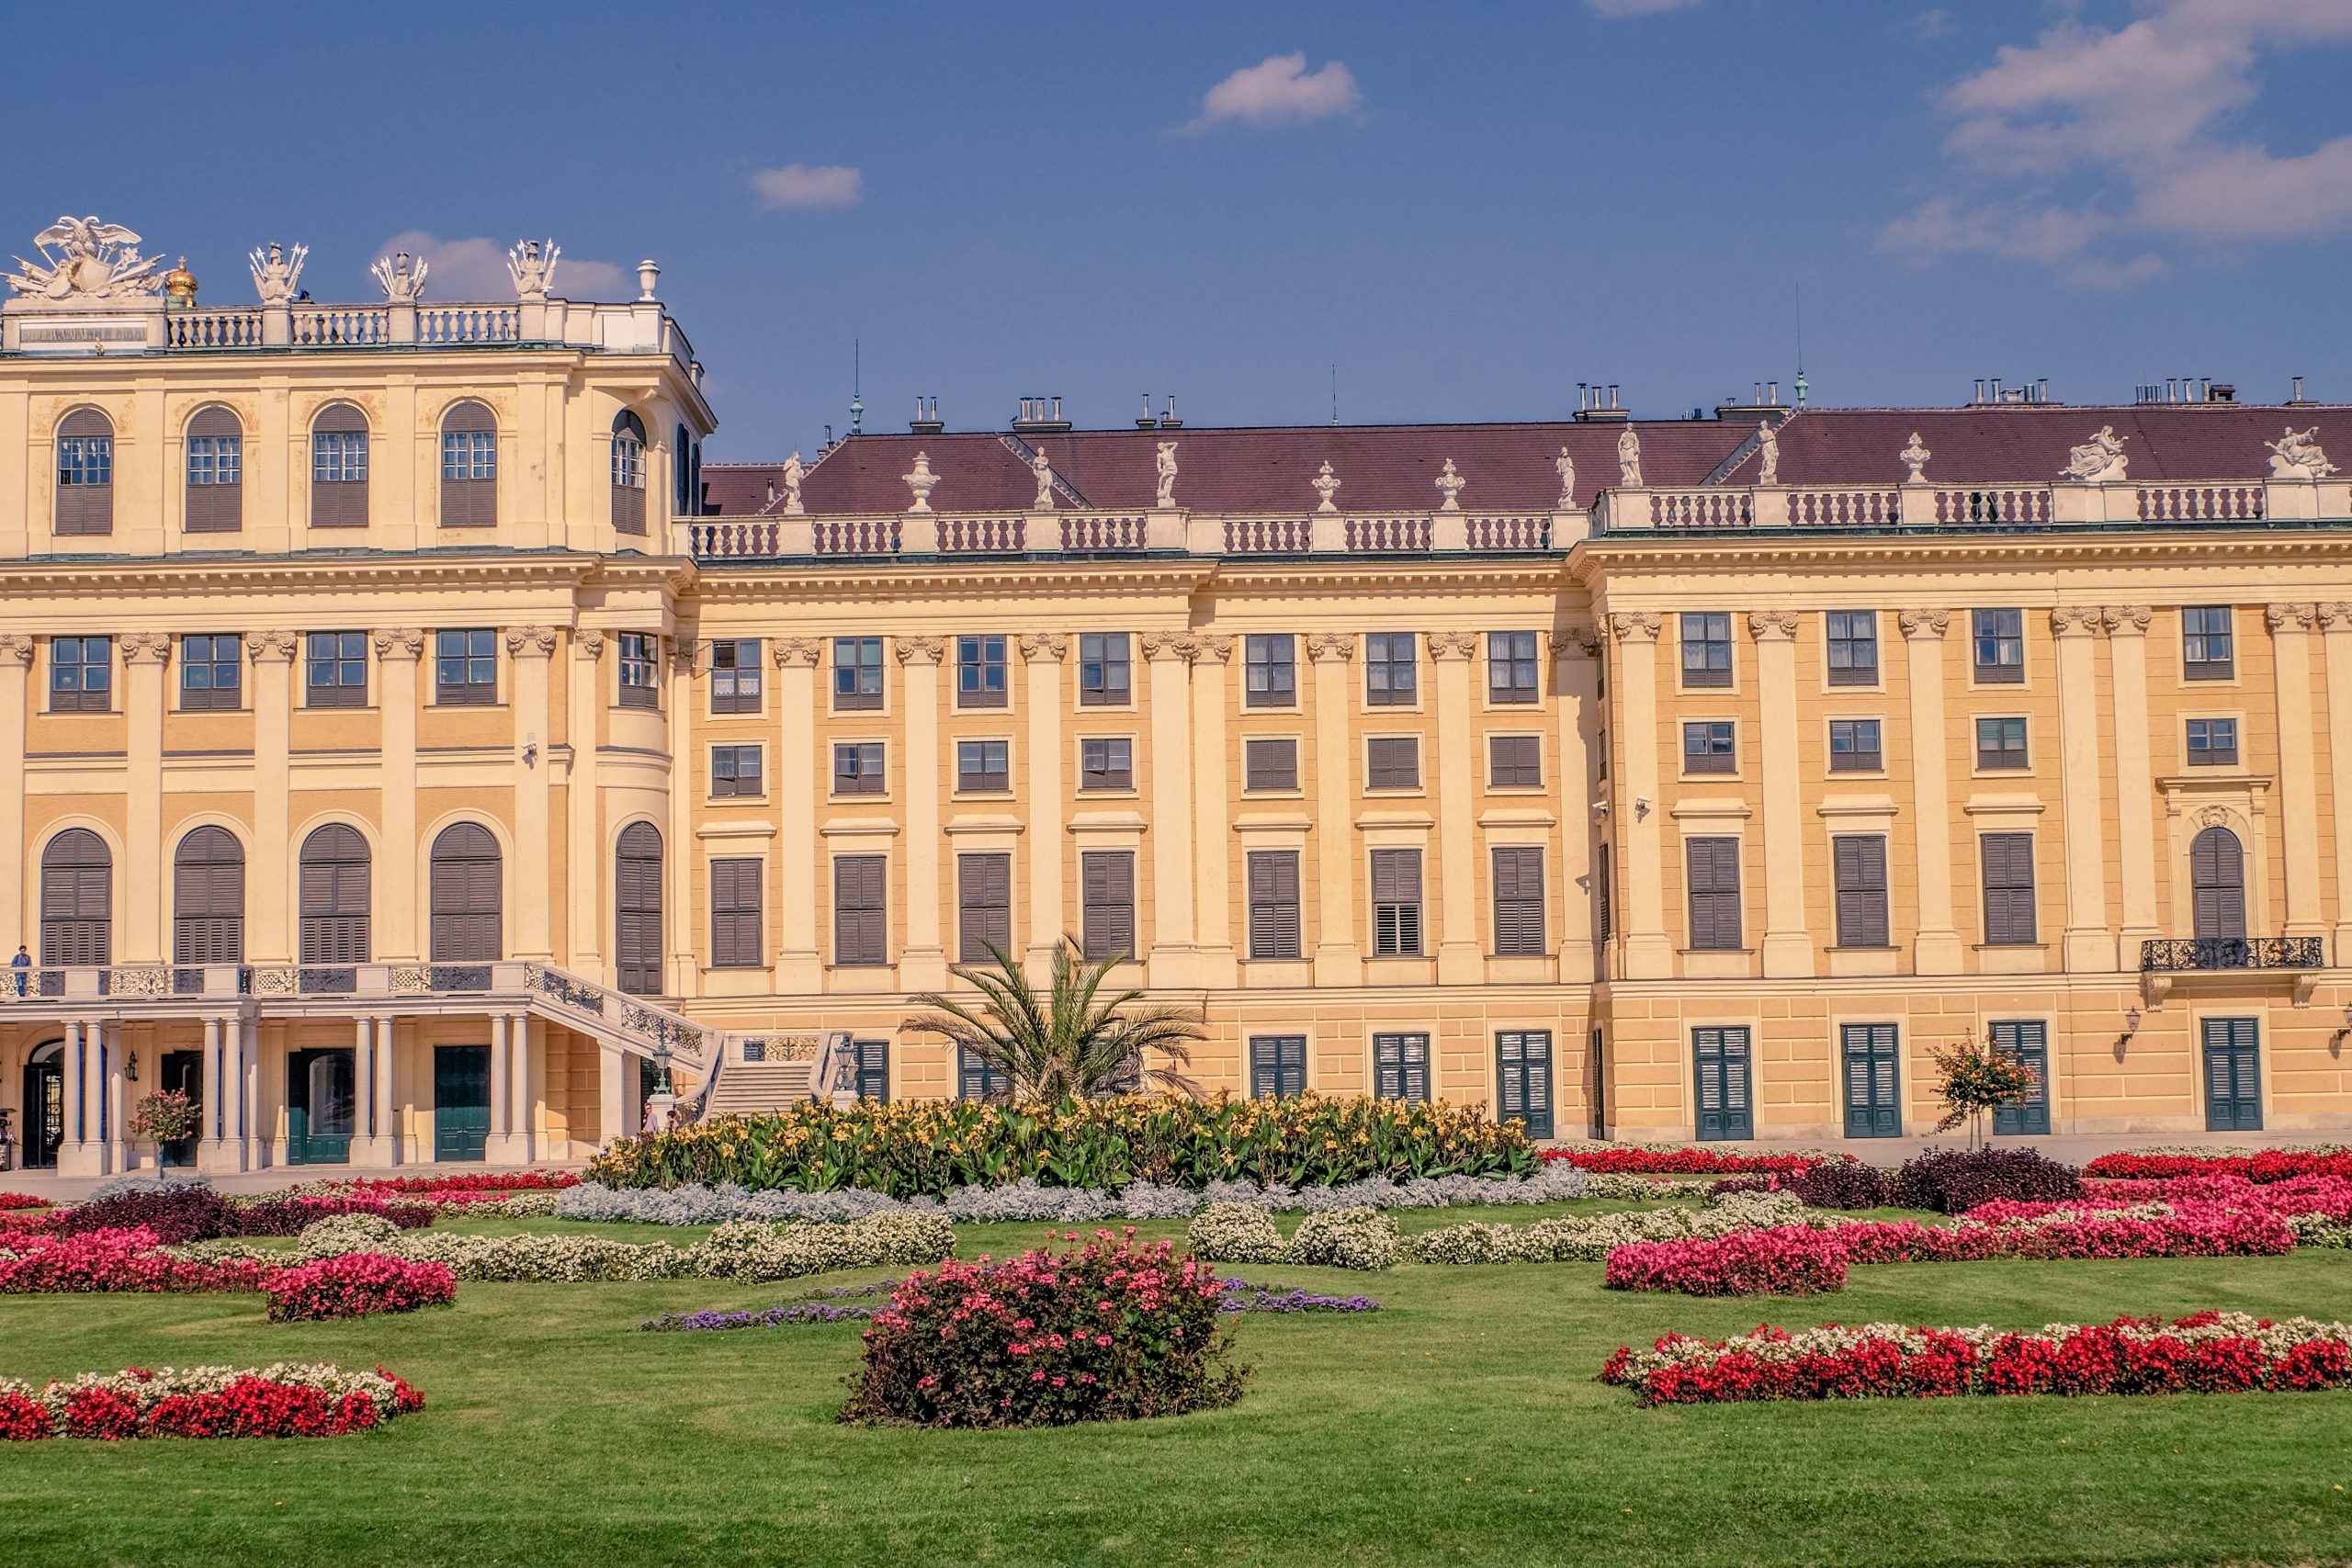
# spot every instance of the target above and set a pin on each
(1461, 1424)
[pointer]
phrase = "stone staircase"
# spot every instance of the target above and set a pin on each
(758, 1089)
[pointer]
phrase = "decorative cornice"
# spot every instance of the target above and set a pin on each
(530, 642)
(399, 642)
(1160, 646)
(918, 649)
(1331, 648)
(2076, 620)
(2128, 620)
(588, 645)
(794, 652)
(15, 647)
(1453, 644)
(1039, 648)
(2296, 618)
(145, 648)
(1772, 625)
(1918, 624)
(1634, 625)
(1212, 647)
(271, 647)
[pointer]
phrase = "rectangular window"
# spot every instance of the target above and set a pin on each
(641, 670)
(861, 915)
(1511, 666)
(1273, 904)
(469, 454)
(1396, 903)
(857, 768)
(1277, 1067)
(1392, 761)
(735, 675)
(1106, 885)
(81, 674)
(1102, 670)
(1400, 1068)
(1858, 872)
(1854, 746)
(1514, 762)
(464, 667)
(858, 673)
(1999, 641)
(980, 672)
(210, 664)
(976, 1080)
(1714, 894)
(1523, 1078)
(2008, 890)
(2000, 744)
(335, 669)
(735, 770)
(215, 460)
(1853, 647)
(1720, 1071)
(1706, 648)
(1106, 761)
(1707, 748)
(1518, 901)
(735, 940)
(1271, 662)
(983, 906)
(1873, 1098)
(2208, 649)
(2026, 1042)
(85, 460)
(1269, 764)
(339, 457)
(2212, 742)
(872, 1070)
(1390, 677)
(983, 767)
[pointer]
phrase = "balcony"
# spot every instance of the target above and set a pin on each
(2205, 954)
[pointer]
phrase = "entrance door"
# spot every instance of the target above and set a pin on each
(320, 1104)
(183, 1070)
(1523, 1078)
(460, 1101)
(44, 1126)
(1872, 1107)
(2232, 1075)
(2029, 1043)
(1719, 1057)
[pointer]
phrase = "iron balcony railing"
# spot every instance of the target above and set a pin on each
(2169, 955)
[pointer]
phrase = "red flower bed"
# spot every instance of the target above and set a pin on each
(2208, 1352)
(1787, 1261)
(2264, 1164)
(36, 1263)
(205, 1402)
(21, 1201)
(187, 1211)
(485, 1181)
(1643, 1160)
(356, 1284)
(2207, 1231)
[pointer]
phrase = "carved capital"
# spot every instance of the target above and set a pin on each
(1634, 625)
(271, 647)
(1918, 624)
(1040, 648)
(530, 642)
(1576, 642)
(1212, 647)
(794, 652)
(399, 642)
(2076, 620)
(2128, 620)
(15, 648)
(685, 653)
(1453, 644)
(1331, 648)
(1772, 625)
(2292, 617)
(1160, 646)
(2336, 617)
(151, 647)
(588, 645)
(918, 649)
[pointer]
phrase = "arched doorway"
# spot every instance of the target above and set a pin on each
(2217, 885)
(44, 1103)
(637, 918)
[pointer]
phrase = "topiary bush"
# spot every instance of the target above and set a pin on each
(1842, 1184)
(1951, 1182)
(1344, 1238)
(1235, 1233)
(1106, 1331)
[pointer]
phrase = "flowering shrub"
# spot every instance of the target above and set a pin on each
(2294, 1195)
(40, 1263)
(1842, 1184)
(469, 1181)
(1105, 1331)
(21, 1201)
(357, 1284)
(2210, 1351)
(1789, 1261)
(1950, 1181)
(1668, 1160)
(1344, 1238)
(283, 1401)
(185, 1211)
(165, 1117)
(2263, 1164)
(339, 1233)
(1235, 1233)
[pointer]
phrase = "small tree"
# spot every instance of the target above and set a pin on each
(1980, 1077)
(1072, 1043)
(165, 1117)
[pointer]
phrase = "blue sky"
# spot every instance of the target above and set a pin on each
(1468, 208)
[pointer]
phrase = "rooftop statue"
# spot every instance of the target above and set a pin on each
(276, 272)
(1915, 457)
(84, 259)
(2098, 460)
(532, 266)
(1629, 460)
(1768, 455)
(1567, 469)
(1449, 484)
(2297, 455)
(793, 472)
(922, 482)
(1326, 485)
(1043, 467)
(1167, 497)
(402, 276)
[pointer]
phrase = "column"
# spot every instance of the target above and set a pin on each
(923, 966)
(685, 784)
(801, 782)
(612, 1095)
(499, 1147)
(217, 1114)
(1788, 945)
(367, 1111)
(583, 813)
(1576, 680)
(145, 655)
(15, 662)
(1338, 961)
(390, 1126)
(522, 1084)
(1460, 960)
(77, 1155)
(2089, 944)
(1169, 655)
(398, 650)
(1215, 964)
(532, 649)
(117, 1102)
(1649, 955)
(1042, 654)
(2336, 644)
(1935, 949)
(269, 902)
(251, 1132)
(2127, 653)
(2291, 637)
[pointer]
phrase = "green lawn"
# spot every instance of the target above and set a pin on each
(1459, 1426)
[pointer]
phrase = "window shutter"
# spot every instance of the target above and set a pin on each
(1720, 1075)
(334, 895)
(339, 503)
(76, 899)
(1269, 764)
(209, 899)
(216, 508)
(1396, 902)
(467, 503)
(2008, 888)
(860, 934)
(1519, 900)
(1277, 1066)
(2217, 877)
(86, 508)
(984, 900)
(465, 895)
(1107, 902)
(735, 899)
(637, 915)
(1714, 892)
(1859, 865)
(1273, 904)
(872, 1066)
(1394, 763)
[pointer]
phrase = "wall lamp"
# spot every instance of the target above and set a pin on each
(2131, 1028)
(1641, 809)
(531, 751)
(2335, 1046)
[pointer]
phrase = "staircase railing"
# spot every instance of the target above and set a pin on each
(660, 1031)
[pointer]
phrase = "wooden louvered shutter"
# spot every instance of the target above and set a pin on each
(736, 940)
(1720, 1071)
(2232, 1075)
(984, 906)
(2217, 882)
(637, 914)
(466, 896)
(1858, 869)
(2028, 1041)
(1873, 1107)
(860, 935)
(335, 897)
(87, 507)
(1273, 904)
(76, 900)
(1401, 1066)
(1715, 892)
(339, 502)
(975, 1079)
(1523, 1078)
(216, 507)
(1107, 902)
(209, 899)
(468, 502)
(1519, 900)
(1277, 1067)
(2008, 888)
(1396, 902)
(872, 1068)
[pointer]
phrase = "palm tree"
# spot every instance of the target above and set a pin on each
(1072, 1043)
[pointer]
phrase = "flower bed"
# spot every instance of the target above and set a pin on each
(1791, 1261)
(1950, 1181)
(38, 1263)
(481, 1181)
(2260, 1166)
(11, 1201)
(183, 1212)
(1106, 1330)
(932, 1147)
(283, 1401)
(1663, 1159)
(1589, 1238)
(743, 1250)
(2209, 1352)
(356, 1284)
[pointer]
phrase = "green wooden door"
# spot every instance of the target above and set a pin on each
(1720, 1063)
(2232, 1075)
(2028, 1041)
(460, 1101)
(1523, 1078)
(1873, 1105)
(874, 1069)
(320, 1104)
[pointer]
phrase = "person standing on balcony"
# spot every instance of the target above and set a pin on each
(22, 963)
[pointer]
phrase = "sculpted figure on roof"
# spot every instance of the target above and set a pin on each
(2098, 460)
(1043, 467)
(1768, 455)
(1629, 460)
(1167, 497)
(275, 271)
(1567, 469)
(403, 277)
(83, 258)
(792, 473)
(2297, 455)
(532, 266)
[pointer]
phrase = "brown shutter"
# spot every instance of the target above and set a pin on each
(209, 899)
(340, 503)
(467, 504)
(1107, 902)
(1514, 762)
(76, 899)
(86, 508)
(335, 897)
(2008, 888)
(1396, 902)
(1519, 900)
(1859, 871)
(2217, 882)
(860, 933)
(216, 508)
(1269, 764)
(1716, 915)
(735, 890)
(637, 912)
(1394, 763)
(466, 896)
(1273, 904)
(984, 906)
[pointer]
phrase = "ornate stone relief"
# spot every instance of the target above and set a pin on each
(2300, 618)
(2297, 455)
(15, 648)
(1453, 644)
(1212, 647)
(1915, 458)
(2076, 618)
(90, 261)
(152, 647)
(1634, 625)
(1576, 642)
(2099, 460)
(918, 649)
(1166, 644)
(794, 652)
(2124, 620)
(1326, 648)
(1925, 622)
(1772, 625)
(587, 645)
(529, 642)
(279, 647)
(1326, 485)
(2336, 615)
(1449, 485)
(1036, 647)
(276, 272)
(685, 654)
(408, 642)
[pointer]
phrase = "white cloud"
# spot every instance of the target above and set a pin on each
(462, 270)
(1279, 90)
(1635, 7)
(2090, 142)
(808, 185)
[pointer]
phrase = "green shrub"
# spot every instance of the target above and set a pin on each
(1235, 1233)
(1344, 1238)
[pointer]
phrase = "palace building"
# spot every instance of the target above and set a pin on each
(412, 749)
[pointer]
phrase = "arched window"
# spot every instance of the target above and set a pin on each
(2217, 884)
(209, 899)
(629, 473)
(678, 474)
(339, 467)
(468, 468)
(335, 897)
(465, 895)
(216, 473)
(76, 899)
(636, 921)
(85, 473)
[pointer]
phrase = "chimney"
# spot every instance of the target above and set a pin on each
(926, 421)
(1169, 421)
(1144, 421)
(1035, 416)
(1599, 404)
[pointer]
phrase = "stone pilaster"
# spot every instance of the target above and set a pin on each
(1788, 946)
(801, 781)
(686, 785)
(532, 649)
(400, 650)
(923, 966)
(2089, 942)
(1215, 964)
(1648, 952)
(1170, 656)
(1936, 947)
(1042, 654)
(1338, 960)
(583, 808)
(142, 933)
(2290, 636)
(1461, 959)
(2336, 644)
(1575, 665)
(15, 696)
(2127, 652)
